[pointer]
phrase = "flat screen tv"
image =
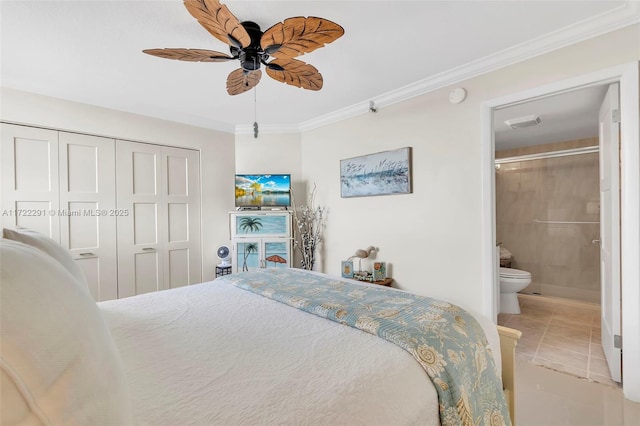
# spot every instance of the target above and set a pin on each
(263, 190)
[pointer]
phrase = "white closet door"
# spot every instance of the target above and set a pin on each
(29, 159)
(140, 236)
(88, 209)
(181, 174)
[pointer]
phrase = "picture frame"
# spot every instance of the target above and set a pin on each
(347, 269)
(382, 173)
(379, 271)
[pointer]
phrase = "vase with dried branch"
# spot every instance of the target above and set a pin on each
(309, 223)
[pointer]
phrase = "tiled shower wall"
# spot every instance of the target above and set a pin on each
(563, 259)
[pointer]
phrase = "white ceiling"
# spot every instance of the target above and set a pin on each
(567, 116)
(90, 51)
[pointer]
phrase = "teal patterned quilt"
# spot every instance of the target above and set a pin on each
(446, 340)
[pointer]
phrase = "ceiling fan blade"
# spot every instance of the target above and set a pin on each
(193, 55)
(239, 81)
(299, 35)
(219, 21)
(295, 73)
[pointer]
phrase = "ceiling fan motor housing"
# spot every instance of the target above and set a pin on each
(252, 55)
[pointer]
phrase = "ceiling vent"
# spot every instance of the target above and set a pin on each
(526, 121)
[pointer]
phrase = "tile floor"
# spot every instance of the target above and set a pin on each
(548, 398)
(564, 337)
(561, 335)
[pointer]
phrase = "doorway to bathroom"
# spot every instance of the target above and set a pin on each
(547, 192)
(620, 317)
(547, 218)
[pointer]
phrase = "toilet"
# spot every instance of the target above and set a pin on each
(511, 282)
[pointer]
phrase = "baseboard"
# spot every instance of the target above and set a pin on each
(560, 300)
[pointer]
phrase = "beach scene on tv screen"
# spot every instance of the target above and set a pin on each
(263, 190)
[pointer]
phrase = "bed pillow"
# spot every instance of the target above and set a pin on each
(58, 362)
(49, 246)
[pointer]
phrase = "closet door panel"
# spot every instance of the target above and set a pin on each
(145, 223)
(181, 175)
(147, 276)
(144, 169)
(81, 155)
(140, 236)
(179, 273)
(177, 162)
(178, 217)
(34, 160)
(88, 209)
(37, 216)
(82, 226)
(29, 159)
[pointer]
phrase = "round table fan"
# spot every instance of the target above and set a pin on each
(224, 254)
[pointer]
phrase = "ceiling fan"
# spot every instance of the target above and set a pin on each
(253, 48)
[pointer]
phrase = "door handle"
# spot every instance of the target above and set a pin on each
(595, 241)
(86, 255)
(148, 249)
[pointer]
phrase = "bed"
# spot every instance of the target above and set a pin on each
(246, 348)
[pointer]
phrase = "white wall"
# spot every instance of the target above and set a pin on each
(273, 153)
(429, 238)
(217, 151)
(269, 153)
(433, 237)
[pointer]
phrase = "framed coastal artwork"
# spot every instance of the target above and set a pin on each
(379, 271)
(382, 173)
(347, 269)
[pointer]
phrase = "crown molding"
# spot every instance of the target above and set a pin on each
(620, 17)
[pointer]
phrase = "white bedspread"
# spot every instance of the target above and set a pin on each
(213, 354)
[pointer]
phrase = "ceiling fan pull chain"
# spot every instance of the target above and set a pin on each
(255, 112)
